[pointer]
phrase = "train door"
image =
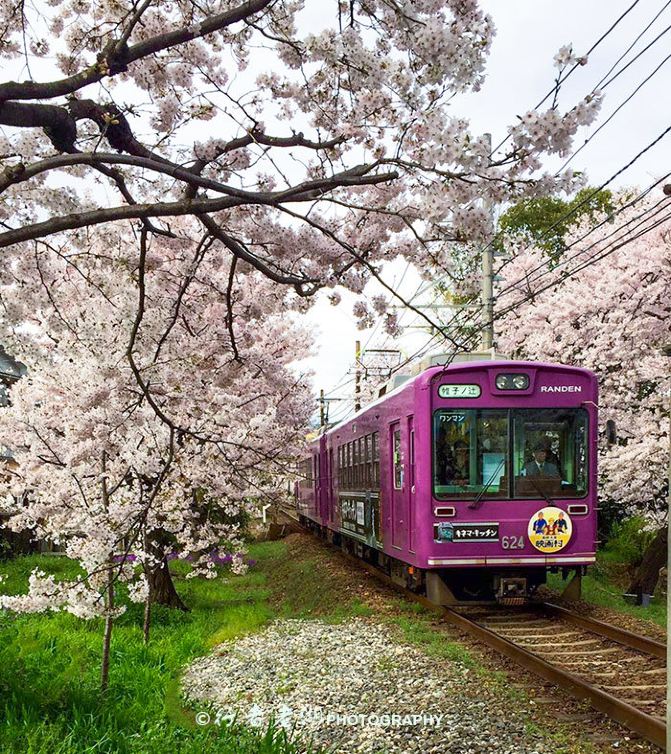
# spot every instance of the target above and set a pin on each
(316, 486)
(329, 511)
(397, 484)
(411, 485)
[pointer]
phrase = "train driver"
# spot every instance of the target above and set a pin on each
(540, 466)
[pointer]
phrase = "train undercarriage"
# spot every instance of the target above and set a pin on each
(455, 586)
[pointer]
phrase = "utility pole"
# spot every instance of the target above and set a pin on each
(322, 404)
(488, 276)
(357, 375)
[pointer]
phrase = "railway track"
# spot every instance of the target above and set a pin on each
(619, 673)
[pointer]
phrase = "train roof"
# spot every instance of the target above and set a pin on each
(431, 372)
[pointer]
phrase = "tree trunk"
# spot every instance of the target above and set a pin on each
(147, 619)
(107, 636)
(654, 558)
(161, 589)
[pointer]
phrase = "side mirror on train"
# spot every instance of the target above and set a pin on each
(611, 433)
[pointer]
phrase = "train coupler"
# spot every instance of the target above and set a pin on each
(512, 591)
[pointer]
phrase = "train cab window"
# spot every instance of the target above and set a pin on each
(470, 453)
(550, 452)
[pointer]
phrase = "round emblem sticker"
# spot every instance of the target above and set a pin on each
(550, 529)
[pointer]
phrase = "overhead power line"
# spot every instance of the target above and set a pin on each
(563, 78)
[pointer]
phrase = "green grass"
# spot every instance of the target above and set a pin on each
(416, 624)
(305, 590)
(50, 701)
(603, 585)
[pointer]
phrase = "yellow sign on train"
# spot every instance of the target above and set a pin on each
(550, 529)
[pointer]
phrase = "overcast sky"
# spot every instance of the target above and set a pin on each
(519, 73)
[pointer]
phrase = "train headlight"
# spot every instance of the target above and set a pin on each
(520, 381)
(512, 381)
(503, 382)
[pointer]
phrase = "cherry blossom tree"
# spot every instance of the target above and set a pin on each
(341, 150)
(158, 404)
(611, 316)
(173, 176)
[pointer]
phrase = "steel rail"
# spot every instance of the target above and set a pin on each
(607, 630)
(651, 728)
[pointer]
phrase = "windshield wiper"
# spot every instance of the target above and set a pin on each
(478, 500)
(539, 490)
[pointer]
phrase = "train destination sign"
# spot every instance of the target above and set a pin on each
(449, 532)
(459, 391)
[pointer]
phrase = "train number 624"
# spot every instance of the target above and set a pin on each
(512, 543)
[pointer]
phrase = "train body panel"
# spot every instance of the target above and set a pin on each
(459, 469)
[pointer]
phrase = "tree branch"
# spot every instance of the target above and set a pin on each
(116, 57)
(239, 251)
(305, 191)
(229, 307)
(56, 121)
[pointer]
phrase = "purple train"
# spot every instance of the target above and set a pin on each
(467, 482)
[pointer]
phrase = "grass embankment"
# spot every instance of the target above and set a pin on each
(610, 577)
(605, 584)
(50, 702)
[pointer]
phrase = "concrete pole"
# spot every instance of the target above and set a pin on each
(488, 278)
(322, 404)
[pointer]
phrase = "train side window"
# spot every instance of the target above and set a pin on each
(364, 463)
(398, 464)
(349, 465)
(369, 462)
(355, 464)
(306, 474)
(359, 480)
(331, 470)
(345, 466)
(376, 460)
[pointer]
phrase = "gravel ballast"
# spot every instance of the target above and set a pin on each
(352, 687)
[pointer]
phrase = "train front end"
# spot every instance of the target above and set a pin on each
(512, 449)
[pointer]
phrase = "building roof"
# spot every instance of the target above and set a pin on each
(10, 368)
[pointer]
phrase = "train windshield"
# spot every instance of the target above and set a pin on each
(514, 453)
